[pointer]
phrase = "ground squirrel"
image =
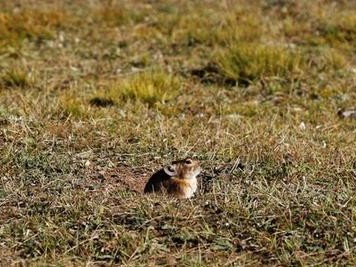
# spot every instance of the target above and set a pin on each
(177, 179)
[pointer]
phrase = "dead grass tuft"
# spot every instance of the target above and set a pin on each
(32, 24)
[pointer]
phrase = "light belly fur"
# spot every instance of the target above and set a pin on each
(190, 187)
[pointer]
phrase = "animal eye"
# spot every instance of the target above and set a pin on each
(188, 161)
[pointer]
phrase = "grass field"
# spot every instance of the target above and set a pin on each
(97, 95)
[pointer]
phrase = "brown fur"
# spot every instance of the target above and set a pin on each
(181, 183)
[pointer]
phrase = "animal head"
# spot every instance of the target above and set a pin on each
(186, 168)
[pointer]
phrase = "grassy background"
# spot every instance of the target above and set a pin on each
(96, 95)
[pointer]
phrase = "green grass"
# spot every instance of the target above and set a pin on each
(17, 78)
(95, 97)
(249, 61)
(150, 87)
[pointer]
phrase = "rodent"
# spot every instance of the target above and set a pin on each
(178, 179)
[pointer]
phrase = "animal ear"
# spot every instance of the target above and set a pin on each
(170, 170)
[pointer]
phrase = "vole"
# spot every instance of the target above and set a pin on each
(177, 179)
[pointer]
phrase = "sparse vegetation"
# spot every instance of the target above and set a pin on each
(94, 97)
